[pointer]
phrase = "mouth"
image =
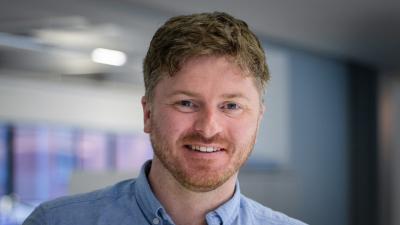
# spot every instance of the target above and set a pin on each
(204, 149)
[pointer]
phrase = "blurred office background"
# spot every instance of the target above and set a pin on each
(327, 152)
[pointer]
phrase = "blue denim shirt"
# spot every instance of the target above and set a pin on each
(132, 202)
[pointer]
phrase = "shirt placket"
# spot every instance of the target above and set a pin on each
(213, 219)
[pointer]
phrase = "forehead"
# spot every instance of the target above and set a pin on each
(215, 67)
(209, 75)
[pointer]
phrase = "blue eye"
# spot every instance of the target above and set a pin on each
(186, 103)
(232, 106)
(186, 106)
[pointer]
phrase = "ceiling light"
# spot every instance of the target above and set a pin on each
(108, 56)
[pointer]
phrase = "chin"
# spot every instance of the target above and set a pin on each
(204, 181)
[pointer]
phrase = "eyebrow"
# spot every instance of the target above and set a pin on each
(181, 92)
(192, 94)
(235, 95)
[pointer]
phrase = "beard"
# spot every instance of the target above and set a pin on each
(200, 177)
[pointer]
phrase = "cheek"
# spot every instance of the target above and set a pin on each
(173, 124)
(241, 129)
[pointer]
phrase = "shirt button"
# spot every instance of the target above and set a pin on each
(156, 221)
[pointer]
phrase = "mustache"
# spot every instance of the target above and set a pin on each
(198, 137)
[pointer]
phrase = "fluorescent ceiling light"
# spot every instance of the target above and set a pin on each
(109, 57)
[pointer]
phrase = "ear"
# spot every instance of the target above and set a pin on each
(262, 111)
(146, 115)
(260, 117)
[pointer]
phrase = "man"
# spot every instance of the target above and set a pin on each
(204, 77)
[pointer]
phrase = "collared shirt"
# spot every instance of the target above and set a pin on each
(132, 202)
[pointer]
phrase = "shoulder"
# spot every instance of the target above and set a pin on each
(84, 207)
(100, 196)
(259, 212)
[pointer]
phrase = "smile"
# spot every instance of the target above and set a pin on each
(203, 148)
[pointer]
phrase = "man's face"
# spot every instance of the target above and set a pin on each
(203, 122)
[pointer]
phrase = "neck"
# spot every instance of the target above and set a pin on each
(182, 205)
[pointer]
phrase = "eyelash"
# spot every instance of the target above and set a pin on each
(237, 106)
(185, 102)
(189, 106)
(186, 106)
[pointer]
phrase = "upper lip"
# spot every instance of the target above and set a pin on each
(206, 147)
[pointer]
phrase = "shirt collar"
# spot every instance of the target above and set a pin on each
(152, 208)
(228, 211)
(147, 201)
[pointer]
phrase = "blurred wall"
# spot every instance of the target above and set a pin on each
(96, 105)
(389, 136)
(315, 186)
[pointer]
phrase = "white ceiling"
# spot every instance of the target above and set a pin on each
(367, 30)
(49, 35)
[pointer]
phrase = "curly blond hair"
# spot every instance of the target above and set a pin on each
(216, 34)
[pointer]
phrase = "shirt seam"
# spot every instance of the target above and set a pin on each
(96, 198)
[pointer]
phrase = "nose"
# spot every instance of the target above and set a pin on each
(207, 123)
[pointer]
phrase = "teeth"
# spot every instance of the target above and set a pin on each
(204, 148)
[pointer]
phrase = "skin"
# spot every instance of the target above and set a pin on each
(210, 103)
